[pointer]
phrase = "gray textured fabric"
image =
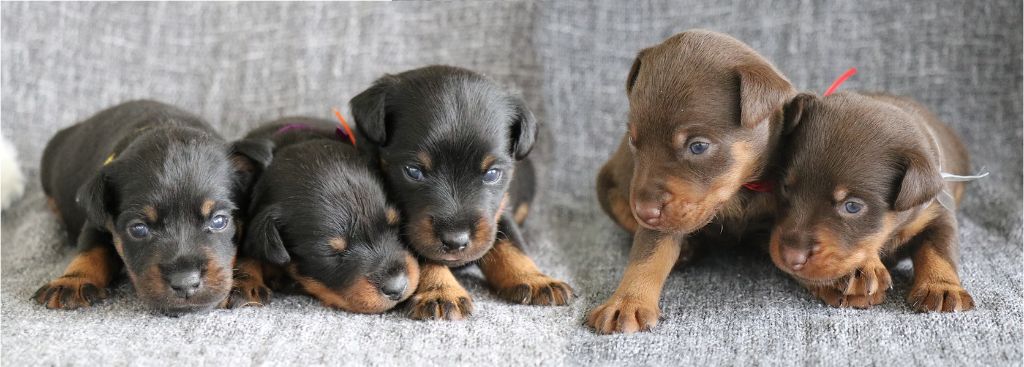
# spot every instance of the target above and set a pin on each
(239, 64)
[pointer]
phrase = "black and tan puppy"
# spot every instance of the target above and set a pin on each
(153, 189)
(705, 118)
(320, 214)
(452, 148)
(861, 187)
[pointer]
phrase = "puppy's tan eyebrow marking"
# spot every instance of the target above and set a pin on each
(425, 160)
(841, 193)
(487, 162)
(392, 216)
(207, 207)
(150, 213)
(337, 243)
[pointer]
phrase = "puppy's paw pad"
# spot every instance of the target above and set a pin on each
(624, 315)
(537, 289)
(248, 294)
(440, 303)
(69, 293)
(940, 297)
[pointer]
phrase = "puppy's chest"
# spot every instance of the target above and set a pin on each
(746, 215)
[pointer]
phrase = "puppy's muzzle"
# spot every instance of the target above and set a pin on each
(455, 241)
(184, 277)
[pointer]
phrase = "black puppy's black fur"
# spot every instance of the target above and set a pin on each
(164, 172)
(452, 146)
(320, 212)
(457, 119)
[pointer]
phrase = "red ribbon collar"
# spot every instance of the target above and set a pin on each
(760, 185)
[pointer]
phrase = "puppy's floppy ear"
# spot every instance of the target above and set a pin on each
(249, 157)
(524, 129)
(762, 92)
(98, 198)
(369, 109)
(921, 180)
(633, 71)
(262, 240)
(794, 111)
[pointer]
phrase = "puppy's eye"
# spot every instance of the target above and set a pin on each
(699, 147)
(413, 173)
(219, 222)
(492, 175)
(852, 207)
(138, 230)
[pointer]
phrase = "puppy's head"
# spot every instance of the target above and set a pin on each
(168, 202)
(702, 114)
(448, 141)
(853, 165)
(325, 218)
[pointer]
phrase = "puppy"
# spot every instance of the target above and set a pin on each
(153, 189)
(452, 148)
(861, 186)
(705, 117)
(320, 213)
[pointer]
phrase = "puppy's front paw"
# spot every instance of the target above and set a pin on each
(623, 314)
(248, 293)
(866, 287)
(440, 303)
(940, 297)
(537, 289)
(70, 292)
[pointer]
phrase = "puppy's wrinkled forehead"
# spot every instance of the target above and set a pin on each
(188, 167)
(847, 142)
(455, 113)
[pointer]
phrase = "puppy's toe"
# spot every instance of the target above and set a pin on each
(868, 281)
(248, 294)
(940, 297)
(623, 315)
(440, 303)
(70, 293)
(830, 295)
(537, 289)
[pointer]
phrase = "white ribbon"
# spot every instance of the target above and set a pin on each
(945, 198)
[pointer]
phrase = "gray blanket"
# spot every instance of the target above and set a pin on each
(240, 64)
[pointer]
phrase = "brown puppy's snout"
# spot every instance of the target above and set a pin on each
(649, 204)
(797, 248)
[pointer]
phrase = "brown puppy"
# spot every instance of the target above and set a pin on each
(861, 186)
(704, 120)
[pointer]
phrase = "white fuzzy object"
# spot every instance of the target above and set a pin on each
(12, 181)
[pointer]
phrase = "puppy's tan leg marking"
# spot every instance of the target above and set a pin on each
(936, 283)
(515, 278)
(84, 282)
(439, 295)
(634, 305)
(248, 288)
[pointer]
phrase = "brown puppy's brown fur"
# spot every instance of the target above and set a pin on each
(885, 155)
(696, 87)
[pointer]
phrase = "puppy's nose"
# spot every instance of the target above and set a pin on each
(795, 257)
(394, 287)
(185, 283)
(454, 241)
(649, 212)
